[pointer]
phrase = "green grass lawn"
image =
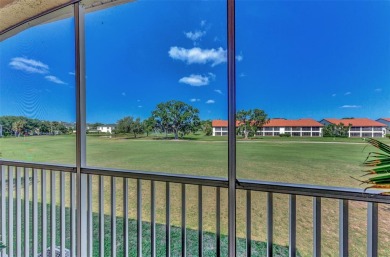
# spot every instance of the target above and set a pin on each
(320, 161)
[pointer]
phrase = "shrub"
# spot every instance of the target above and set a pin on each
(284, 135)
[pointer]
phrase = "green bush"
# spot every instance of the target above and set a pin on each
(284, 135)
(2, 246)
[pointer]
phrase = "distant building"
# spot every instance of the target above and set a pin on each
(275, 127)
(108, 128)
(385, 121)
(294, 128)
(360, 127)
(220, 127)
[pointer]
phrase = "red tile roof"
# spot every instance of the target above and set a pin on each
(221, 123)
(386, 119)
(359, 122)
(293, 123)
(276, 123)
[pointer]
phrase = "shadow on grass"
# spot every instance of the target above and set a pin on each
(209, 239)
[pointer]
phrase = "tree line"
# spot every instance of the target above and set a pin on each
(19, 126)
(181, 119)
(173, 116)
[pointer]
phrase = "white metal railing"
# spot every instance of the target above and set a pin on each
(38, 211)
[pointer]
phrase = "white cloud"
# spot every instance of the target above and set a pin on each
(54, 79)
(138, 100)
(333, 95)
(378, 90)
(195, 80)
(347, 93)
(198, 55)
(139, 106)
(203, 23)
(242, 75)
(29, 65)
(72, 73)
(212, 75)
(239, 58)
(210, 101)
(123, 94)
(218, 91)
(350, 106)
(195, 35)
(193, 100)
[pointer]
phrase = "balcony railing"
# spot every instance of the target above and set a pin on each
(38, 213)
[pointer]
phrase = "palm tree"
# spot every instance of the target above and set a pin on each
(379, 163)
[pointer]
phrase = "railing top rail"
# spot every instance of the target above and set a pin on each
(158, 176)
(353, 194)
(37, 165)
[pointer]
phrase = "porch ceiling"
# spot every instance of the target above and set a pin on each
(17, 12)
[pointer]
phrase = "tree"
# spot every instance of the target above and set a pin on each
(336, 130)
(149, 125)
(95, 125)
(251, 121)
(137, 127)
(177, 116)
(18, 127)
(124, 125)
(207, 127)
(129, 125)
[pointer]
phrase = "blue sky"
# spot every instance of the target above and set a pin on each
(295, 59)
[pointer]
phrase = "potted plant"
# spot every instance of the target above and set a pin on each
(379, 163)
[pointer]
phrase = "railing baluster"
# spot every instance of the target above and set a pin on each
(168, 219)
(200, 221)
(372, 229)
(139, 218)
(153, 218)
(63, 225)
(10, 212)
(26, 212)
(18, 213)
(44, 213)
(270, 224)
(343, 228)
(292, 225)
(125, 217)
(218, 221)
(53, 212)
(317, 227)
(101, 216)
(183, 221)
(3, 217)
(35, 213)
(113, 216)
(73, 213)
(90, 225)
(248, 223)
